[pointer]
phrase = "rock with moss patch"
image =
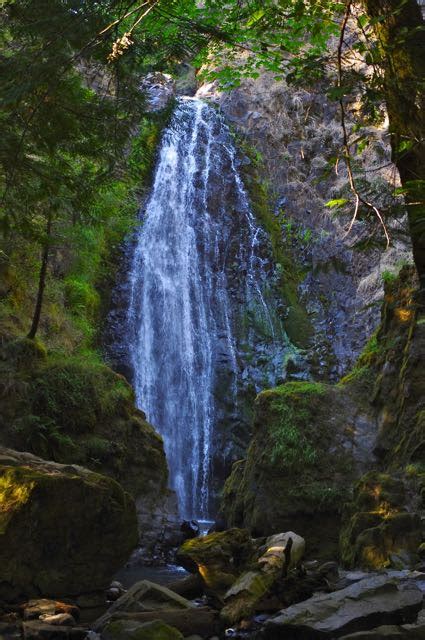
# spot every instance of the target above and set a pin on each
(75, 411)
(218, 557)
(64, 530)
(298, 466)
(144, 596)
(281, 553)
(377, 530)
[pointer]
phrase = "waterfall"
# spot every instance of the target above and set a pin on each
(196, 259)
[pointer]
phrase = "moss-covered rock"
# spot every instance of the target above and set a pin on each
(281, 553)
(75, 411)
(297, 469)
(64, 530)
(381, 524)
(218, 557)
(399, 391)
(377, 530)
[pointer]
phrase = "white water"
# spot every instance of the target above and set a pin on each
(197, 226)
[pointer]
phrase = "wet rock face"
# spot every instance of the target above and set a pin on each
(64, 530)
(297, 133)
(159, 89)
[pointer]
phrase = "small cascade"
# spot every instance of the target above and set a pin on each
(197, 267)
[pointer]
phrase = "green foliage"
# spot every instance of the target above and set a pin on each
(76, 394)
(98, 449)
(80, 296)
(290, 448)
(389, 276)
(321, 496)
(292, 403)
(340, 202)
(44, 438)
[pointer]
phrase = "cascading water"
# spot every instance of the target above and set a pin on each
(196, 259)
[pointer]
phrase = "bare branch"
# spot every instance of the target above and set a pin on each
(346, 145)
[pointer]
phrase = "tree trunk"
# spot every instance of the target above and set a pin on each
(41, 280)
(399, 29)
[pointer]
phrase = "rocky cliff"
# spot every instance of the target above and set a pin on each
(296, 136)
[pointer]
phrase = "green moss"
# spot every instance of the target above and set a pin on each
(217, 557)
(77, 395)
(363, 373)
(13, 494)
(291, 407)
(295, 390)
(23, 352)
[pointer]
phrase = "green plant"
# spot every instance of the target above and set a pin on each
(290, 448)
(45, 438)
(388, 276)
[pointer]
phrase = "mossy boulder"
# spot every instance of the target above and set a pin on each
(298, 470)
(377, 530)
(279, 554)
(218, 557)
(64, 530)
(74, 411)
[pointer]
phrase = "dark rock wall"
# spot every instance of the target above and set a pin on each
(312, 441)
(298, 136)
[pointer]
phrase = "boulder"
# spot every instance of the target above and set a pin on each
(298, 468)
(79, 412)
(64, 530)
(218, 558)
(38, 630)
(144, 596)
(189, 587)
(377, 530)
(359, 607)
(390, 632)
(133, 630)
(200, 620)
(281, 553)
